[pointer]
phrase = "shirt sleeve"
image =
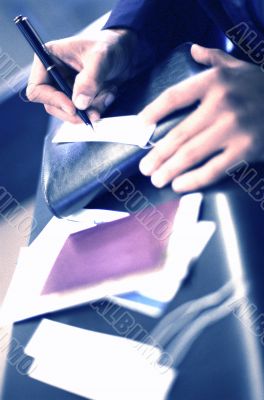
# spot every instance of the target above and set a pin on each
(162, 24)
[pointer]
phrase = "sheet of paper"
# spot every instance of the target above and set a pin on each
(24, 299)
(96, 365)
(35, 262)
(129, 129)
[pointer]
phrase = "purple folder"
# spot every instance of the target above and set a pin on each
(113, 250)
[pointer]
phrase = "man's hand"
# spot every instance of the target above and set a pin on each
(102, 62)
(226, 127)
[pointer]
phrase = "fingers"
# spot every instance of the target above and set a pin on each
(92, 58)
(209, 173)
(199, 120)
(49, 95)
(38, 73)
(191, 153)
(104, 99)
(188, 156)
(39, 90)
(59, 113)
(211, 57)
(177, 97)
(89, 82)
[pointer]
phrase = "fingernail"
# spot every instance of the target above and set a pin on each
(82, 101)
(158, 180)
(109, 99)
(177, 185)
(145, 167)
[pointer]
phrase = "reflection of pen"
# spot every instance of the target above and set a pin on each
(39, 48)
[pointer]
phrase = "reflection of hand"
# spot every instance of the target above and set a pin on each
(228, 123)
(103, 61)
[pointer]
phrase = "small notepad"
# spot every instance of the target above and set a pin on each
(129, 129)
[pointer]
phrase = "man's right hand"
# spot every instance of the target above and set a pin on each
(102, 61)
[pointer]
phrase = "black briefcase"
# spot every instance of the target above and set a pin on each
(70, 171)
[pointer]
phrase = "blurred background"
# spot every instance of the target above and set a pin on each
(23, 125)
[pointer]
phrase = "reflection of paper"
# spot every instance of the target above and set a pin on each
(128, 130)
(96, 365)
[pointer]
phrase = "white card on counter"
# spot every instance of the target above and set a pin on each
(129, 129)
(96, 365)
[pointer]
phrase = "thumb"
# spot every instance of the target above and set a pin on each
(88, 83)
(210, 57)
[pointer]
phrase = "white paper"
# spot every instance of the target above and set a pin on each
(24, 299)
(129, 129)
(96, 365)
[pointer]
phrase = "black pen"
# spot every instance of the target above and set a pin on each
(33, 38)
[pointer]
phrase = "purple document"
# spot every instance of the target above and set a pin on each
(113, 250)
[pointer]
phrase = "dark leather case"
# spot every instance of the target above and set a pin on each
(70, 170)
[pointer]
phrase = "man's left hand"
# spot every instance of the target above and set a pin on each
(227, 126)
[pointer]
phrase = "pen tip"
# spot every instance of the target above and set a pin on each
(90, 124)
